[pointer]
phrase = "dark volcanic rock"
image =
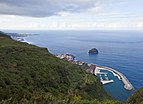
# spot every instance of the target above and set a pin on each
(93, 51)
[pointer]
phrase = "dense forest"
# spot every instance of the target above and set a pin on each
(136, 97)
(31, 75)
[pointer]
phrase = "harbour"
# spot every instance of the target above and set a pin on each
(127, 84)
(96, 70)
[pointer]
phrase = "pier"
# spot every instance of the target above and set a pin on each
(127, 84)
(106, 80)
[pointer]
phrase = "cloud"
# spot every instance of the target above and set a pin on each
(43, 8)
(71, 14)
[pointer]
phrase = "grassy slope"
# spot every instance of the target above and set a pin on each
(137, 97)
(31, 74)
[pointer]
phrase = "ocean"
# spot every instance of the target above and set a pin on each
(121, 50)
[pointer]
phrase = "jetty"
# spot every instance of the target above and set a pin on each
(106, 81)
(127, 84)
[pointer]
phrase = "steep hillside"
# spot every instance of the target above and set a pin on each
(137, 97)
(30, 74)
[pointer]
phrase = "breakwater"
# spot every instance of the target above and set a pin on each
(127, 84)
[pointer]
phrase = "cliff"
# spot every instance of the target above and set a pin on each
(30, 74)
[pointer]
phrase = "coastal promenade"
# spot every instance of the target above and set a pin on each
(127, 84)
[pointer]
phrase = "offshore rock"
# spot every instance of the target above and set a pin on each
(93, 51)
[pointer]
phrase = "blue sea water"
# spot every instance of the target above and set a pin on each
(121, 50)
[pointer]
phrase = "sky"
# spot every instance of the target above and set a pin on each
(71, 14)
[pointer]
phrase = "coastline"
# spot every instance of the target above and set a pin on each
(121, 59)
(20, 39)
(93, 68)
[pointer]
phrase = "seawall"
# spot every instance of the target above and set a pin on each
(127, 84)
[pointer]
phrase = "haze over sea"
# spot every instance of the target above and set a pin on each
(121, 50)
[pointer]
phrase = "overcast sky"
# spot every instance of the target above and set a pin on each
(71, 14)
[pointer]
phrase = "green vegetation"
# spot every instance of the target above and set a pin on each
(31, 75)
(137, 97)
